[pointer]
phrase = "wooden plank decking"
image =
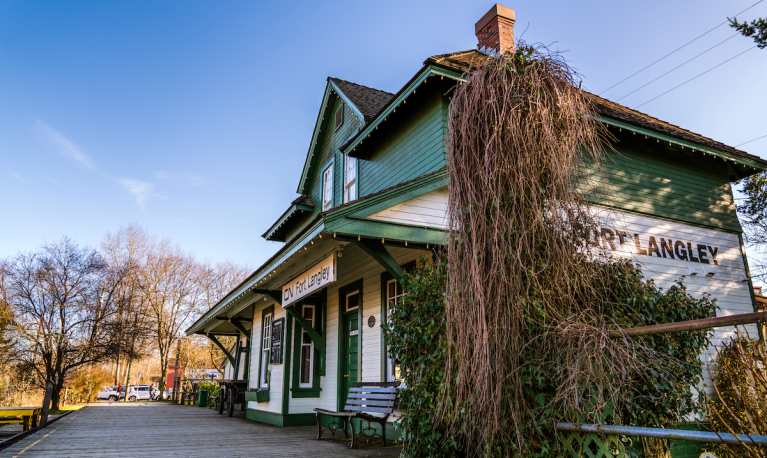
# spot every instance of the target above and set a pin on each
(138, 429)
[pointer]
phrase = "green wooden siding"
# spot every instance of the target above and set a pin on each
(416, 147)
(671, 185)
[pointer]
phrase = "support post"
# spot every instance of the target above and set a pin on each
(319, 342)
(378, 252)
(46, 403)
(226, 352)
(238, 324)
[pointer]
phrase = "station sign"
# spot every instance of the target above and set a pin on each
(314, 279)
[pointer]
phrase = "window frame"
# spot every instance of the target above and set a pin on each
(299, 390)
(354, 181)
(310, 346)
(330, 165)
(336, 124)
(385, 278)
(268, 311)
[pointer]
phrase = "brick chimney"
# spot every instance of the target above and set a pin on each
(495, 31)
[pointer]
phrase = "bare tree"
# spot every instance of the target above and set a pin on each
(61, 300)
(216, 280)
(169, 281)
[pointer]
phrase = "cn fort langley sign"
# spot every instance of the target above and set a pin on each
(312, 280)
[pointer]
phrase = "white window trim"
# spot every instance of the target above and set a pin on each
(349, 183)
(327, 177)
(311, 351)
(266, 349)
(390, 373)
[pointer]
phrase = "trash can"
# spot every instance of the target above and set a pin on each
(203, 398)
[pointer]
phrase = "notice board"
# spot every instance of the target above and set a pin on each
(276, 357)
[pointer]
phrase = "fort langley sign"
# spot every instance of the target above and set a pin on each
(310, 281)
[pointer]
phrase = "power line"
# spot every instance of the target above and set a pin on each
(687, 62)
(763, 136)
(694, 77)
(677, 49)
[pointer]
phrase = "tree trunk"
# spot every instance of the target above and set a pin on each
(56, 394)
(163, 372)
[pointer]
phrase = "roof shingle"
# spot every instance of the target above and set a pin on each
(368, 100)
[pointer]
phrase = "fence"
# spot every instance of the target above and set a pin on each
(603, 441)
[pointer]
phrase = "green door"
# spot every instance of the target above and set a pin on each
(350, 347)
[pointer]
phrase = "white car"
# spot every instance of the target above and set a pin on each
(108, 393)
(140, 393)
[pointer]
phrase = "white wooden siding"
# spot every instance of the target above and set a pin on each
(275, 385)
(426, 210)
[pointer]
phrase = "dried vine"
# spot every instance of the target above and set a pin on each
(522, 144)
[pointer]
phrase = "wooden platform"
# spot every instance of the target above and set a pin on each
(137, 429)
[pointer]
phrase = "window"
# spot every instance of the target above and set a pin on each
(352, 301)
(339, 116)
(327, 188)
(350, 179)
(266, 341)
(394, 294)
(307, 350)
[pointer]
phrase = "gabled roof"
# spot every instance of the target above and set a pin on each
(368, 100)
(464, 60)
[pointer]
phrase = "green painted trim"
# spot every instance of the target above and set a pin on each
(297, 391)
(276, 419)
(378, 230)
(342, 293)
(318, 138)
(305, 392)
(286, 367)
(693, 146)
(237, 324)
(319, 342)
(754, 304)
(246, 288)
(394, 104)
(378, 251)
(228, 356)
(277, 224)
(367, 206)
(267, 311)
(349, 103)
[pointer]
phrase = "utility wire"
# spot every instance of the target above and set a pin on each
(694, 77)
(677, 49)
(751, 140)
(687, 62)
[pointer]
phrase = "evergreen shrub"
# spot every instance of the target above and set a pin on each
(416, 335)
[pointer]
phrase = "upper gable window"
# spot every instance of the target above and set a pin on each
(327, 188)
(350, 179)
(339, 116)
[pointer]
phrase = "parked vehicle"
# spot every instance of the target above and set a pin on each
(108, 393)
(140, 393)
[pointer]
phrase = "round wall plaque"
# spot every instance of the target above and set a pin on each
(371, 321)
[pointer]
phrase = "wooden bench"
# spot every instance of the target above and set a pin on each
(365, 398)
(21, 415)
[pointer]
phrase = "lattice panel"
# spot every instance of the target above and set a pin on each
(594, 446)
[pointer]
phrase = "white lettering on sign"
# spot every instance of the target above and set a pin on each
(353, 333)
(312, 280)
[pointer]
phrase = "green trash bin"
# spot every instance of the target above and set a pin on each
(203, 398)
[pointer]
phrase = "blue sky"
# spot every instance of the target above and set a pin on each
(193, 118)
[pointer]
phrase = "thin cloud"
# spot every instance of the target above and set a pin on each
(15, 175)
(62, 144)
(181, 178)
(141, 191)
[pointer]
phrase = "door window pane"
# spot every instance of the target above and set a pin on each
(307, 349)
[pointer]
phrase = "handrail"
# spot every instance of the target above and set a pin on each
(661, 433)
(692, 325)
